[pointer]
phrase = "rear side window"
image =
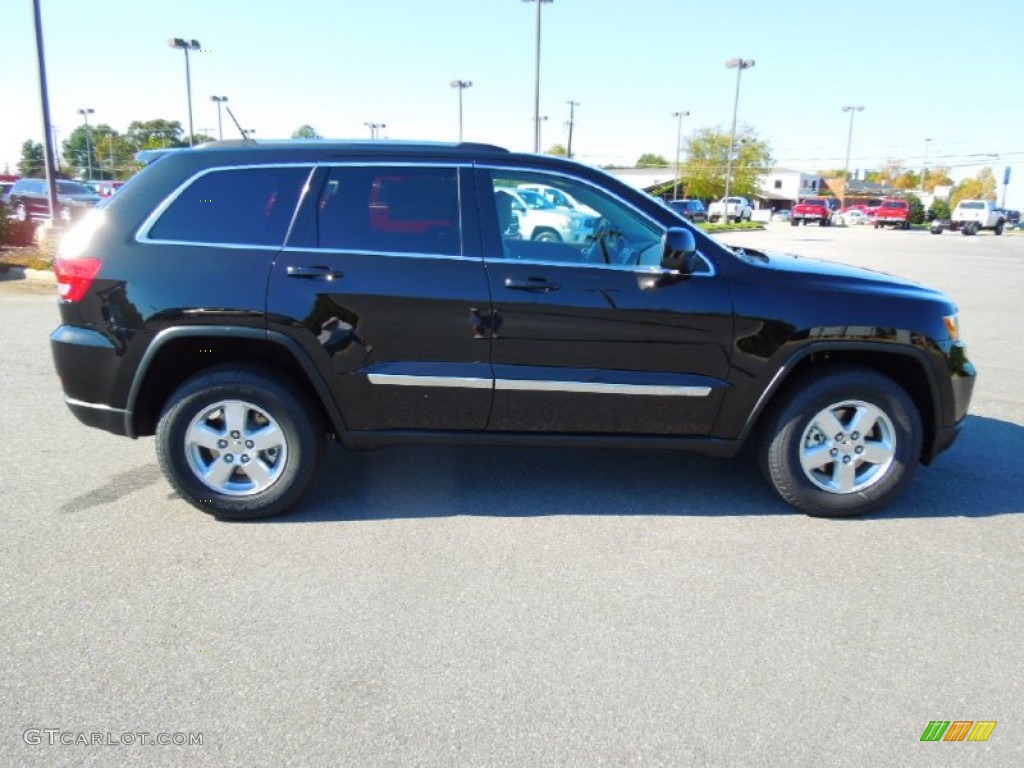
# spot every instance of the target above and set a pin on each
(390, 210)
(234, 206)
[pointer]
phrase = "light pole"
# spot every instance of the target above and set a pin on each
(572, 122)
(540, 120)
(536, 83)
(220, 125)
(924, 170)
(186, 46)
(375, 129)
(461, 85)
(739, 65)
(849, 138)
(88, 140)
(679, 140)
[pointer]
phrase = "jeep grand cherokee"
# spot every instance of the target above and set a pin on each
(243, 301)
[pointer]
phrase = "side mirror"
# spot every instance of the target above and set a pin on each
(680, 247)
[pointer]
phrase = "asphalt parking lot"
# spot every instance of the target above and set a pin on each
(510, 607)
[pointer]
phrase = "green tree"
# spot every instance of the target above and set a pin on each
(981, 187)
(558, 150)
(939, 209)
(707, 153)
(916, 209)
(155, 134)
(306, 132)
(650, 160)
(32, 163)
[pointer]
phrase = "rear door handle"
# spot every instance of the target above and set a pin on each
(316, 272)
(533, 285)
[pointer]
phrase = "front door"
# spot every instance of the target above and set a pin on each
(591, 335)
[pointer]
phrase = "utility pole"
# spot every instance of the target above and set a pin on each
(572, 121)
(679, 140)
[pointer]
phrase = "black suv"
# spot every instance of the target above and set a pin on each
(243, 301)
(692, 210)
(29, 199)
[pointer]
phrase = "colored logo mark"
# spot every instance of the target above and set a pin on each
(958, 730)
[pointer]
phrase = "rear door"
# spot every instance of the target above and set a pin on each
(383, 283)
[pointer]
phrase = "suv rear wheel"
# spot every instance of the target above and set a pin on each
(236, 443)
(846, 441)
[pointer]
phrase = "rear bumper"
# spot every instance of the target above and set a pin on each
(99, 416)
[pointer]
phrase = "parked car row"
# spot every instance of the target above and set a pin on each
(28, 199)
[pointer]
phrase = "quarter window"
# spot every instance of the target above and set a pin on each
(390, 210)
(241, 206)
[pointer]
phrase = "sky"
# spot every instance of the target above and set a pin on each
(338, 64)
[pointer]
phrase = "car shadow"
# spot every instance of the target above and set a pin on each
(405, 482)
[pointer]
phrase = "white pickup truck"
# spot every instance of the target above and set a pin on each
(733, 208)
(972, 216)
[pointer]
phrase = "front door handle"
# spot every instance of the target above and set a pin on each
(316, 272)
(533, 285)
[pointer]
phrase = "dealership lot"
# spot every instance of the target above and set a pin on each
(458, 606)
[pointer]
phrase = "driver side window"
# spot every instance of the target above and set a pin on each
(560, 220)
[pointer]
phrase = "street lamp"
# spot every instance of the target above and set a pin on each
(536, 83)
(924, 170)
(540, 120)
(849, 138)
(220, 125)
(739, 65)
(679, 139)
(572, 122)
(375, 129)
(186, 46)
(461, 85)
(88, 140)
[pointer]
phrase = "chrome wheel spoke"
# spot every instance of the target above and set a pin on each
(864, 419)
(829, 423)
(877, 452)
(218, 474)
(205, 436)
(236, 416)
(260, 474)
(844, 476)
(815, 457)
(266, 438)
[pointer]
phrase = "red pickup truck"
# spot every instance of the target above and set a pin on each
(894, 213)
(810, 210)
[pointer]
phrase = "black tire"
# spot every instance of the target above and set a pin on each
(906, 224)
(999, 228)
(257, 395)
(794, 222)
(877, 225)
(20, 212)
(796, 425)
(822, 222)
(546, 236)
(936, 230)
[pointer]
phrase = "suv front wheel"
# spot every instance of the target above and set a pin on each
(236, 443)
(845, 442)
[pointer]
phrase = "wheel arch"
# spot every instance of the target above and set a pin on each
(908, 367)
(177, 354)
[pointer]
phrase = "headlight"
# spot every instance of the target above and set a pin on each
(575, 222)
(953, 326)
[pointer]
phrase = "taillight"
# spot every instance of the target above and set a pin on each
(74, 276)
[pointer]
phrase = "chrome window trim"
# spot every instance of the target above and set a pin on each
(142, 234)
(548, 172)
(375, 254)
